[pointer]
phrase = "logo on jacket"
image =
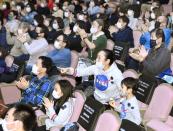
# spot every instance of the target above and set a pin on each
(101, 82)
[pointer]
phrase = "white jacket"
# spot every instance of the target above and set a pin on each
(63, 117)
(110, 80)
(36, 49)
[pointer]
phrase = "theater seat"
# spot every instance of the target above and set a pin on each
(108, 121)
(9, 93)
(161, 104)
(130, 73)
(158, 125)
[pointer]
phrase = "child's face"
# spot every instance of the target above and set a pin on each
(125, 90)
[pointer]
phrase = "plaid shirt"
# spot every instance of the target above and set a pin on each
(37, 90)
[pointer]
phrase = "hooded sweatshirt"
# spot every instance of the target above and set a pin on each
(107, 83)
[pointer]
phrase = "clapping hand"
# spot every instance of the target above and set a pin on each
(69, 71)
(47, 103)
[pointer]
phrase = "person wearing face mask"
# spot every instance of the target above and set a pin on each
(43, 9)
(97, 41)
(21, 117)
(93, 8)
(6, 10)
(57, 29)
(107, 76)
(161, 23)
(61, 56)
(132, 21)
(18, 50)
(157, 59)
(68, 17)
(37, 22)
(60, 106)
(74, 39)
(122, 32)
(30, 13)
(82, 16)
(127, 105)
(36, 48)
(39, 86)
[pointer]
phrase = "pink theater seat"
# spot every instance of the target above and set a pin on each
(108, 121)
(161, 103)
(136, 35)
(10, 93)
(130, 73)
(80, 100)
(158, 125)
(171, 64)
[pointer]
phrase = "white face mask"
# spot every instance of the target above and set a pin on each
(64, 7)
(35, 23)
(119, 25)
(35, 69)
(13, 3)
(46, 23)
(99, 65)
(4, 6)
(75, 28)
(20, 31)
(4, 125)
(42, 5)
(81, 17)
(55, 26)
(93, 30)
(18, 8)
(57, 45)
(66, 14)
(55, 95)
(153, 16)
(130, 13)
(28, 9)
(55, 8)
(56, 1)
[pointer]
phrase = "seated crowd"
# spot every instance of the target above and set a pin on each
(37, 42)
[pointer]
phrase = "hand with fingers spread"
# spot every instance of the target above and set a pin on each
(47, 103)
(22, 83)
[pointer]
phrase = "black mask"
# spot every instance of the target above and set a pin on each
(153, 43)
(157, 24)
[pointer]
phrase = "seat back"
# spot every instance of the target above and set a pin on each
(80, 100)
(9, 93)
(108, 121)
(136, 36)
(74, 59)
(130, 73)
(161, 103)
(171, 64)
(110, 44)
(169, 121)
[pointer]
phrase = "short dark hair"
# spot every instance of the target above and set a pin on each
(109, 55)
(130, 83)
(125, 19)
(46, 63)
(25, 114)
(159, 34)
